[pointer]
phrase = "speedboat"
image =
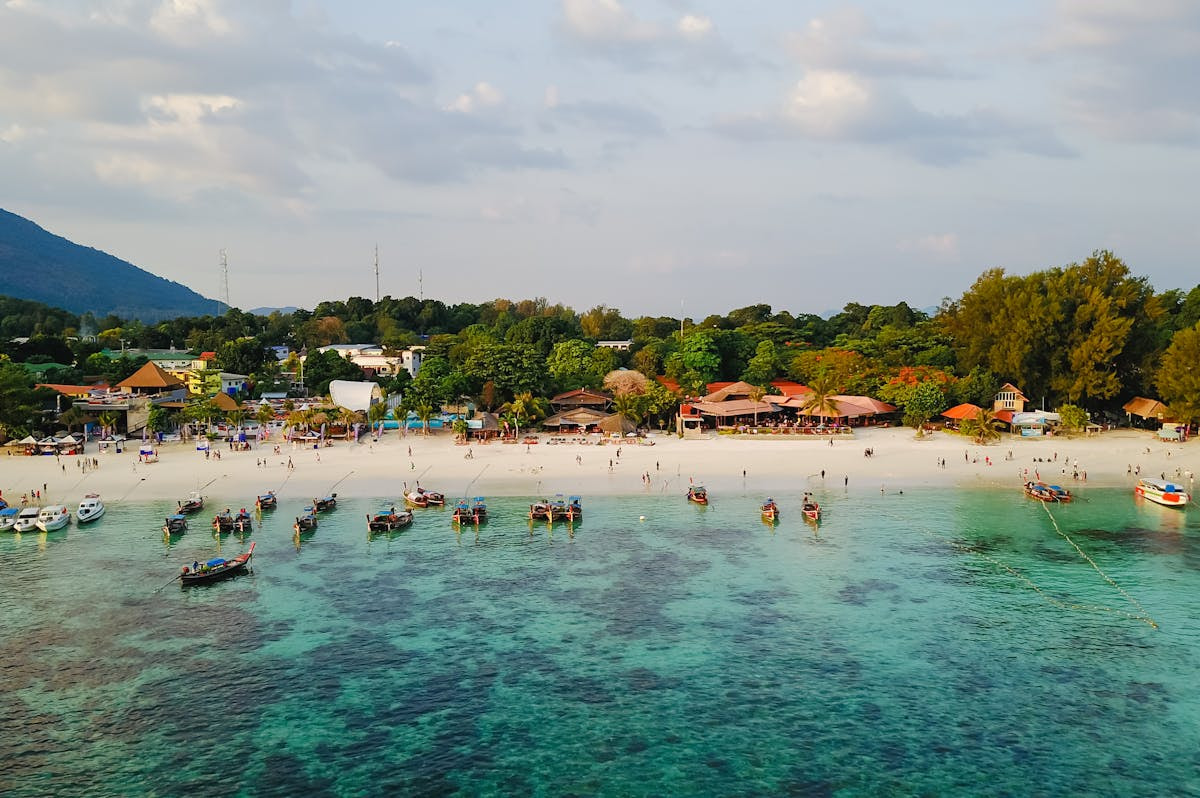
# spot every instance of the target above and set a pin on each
(90, 508)
(26, 519)
(1160, 491)
(175, 524)
(8, 517)
(56, 516)
(389, 520)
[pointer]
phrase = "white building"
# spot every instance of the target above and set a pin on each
(370, 358)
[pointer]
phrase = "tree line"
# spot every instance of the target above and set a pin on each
(1088, 334)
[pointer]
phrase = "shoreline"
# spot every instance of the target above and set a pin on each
(773, 465)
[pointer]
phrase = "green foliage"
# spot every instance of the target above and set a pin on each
(514, 368)
(764, 366)
(243, 356)
(159, 418)
(1179, 381)
(1073, 417)
(572, 365)
(924, 401)
(983, 428)
(321, 368)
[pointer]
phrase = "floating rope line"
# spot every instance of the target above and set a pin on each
(1047, 597)
(1144, 617)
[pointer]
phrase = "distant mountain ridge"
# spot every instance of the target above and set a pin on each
(38, 265)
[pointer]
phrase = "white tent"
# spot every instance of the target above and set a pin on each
(355, 395)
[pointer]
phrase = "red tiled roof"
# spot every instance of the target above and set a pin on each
(668, 383)
(789, 388)
(150, 375)
(713, 387)
(73, 390)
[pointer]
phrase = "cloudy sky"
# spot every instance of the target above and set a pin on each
(635, 153)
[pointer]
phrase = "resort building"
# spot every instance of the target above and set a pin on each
(1010, 398)
(581, 397)
(619, 346)
(374, 361)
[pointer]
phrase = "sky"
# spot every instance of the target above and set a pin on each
(646, 155)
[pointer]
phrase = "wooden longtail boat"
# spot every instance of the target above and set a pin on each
(216, 570)
(697, 494)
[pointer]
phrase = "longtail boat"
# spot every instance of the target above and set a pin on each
(267, 501)
(325, 504)
(306, 522)
(770, 511)
(474, 512)
(810, 508)
(697, 494)
(193, 504)
(242, 522)
(223, 521)
(216, 569)
(389, 520)
(175, 524)
(1047, 493)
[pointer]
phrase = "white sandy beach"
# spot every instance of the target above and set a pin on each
(770, 464)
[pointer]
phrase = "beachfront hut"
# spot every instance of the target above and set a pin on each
(960, 413)
(150, 378)
(617, 424)
(1010, 398)
(1148, 409)
(581, 418)
(581, 397)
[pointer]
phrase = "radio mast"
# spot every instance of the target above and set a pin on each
(377, 273)
(224, 283)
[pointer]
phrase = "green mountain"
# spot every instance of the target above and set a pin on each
(41, 266)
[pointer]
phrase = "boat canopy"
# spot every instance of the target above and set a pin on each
(216, 562)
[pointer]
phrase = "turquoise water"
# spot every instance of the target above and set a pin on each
(931, 643)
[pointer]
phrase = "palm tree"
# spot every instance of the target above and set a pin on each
(525, 407)
(756, 396)
(820, 399)
(74, 415)
(376, 413)
(424, 412)
(236, 417)
(108, 421)
(460, 428)
(982, 427)
(265, 415)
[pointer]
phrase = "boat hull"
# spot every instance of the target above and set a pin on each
(1166, 494)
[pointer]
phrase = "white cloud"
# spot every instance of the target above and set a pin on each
(943, 246)
(695, 27)
(849, 40)
(483, 95)
(606, 21)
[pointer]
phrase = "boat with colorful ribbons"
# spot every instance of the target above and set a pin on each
(216, 569)
(1047, 493)
(389, 520)
(267, 501)
(770, 511)
(697, 494)
(810, 508)
(473, 512)
(242, 522)
(222, 522)
(1161, 491)
(305, 522)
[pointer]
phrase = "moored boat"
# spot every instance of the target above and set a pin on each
(55, 516)
(540, 511)
(193, 504)
(325, 504)
(223, 521)
(697, 494)
(90, 508)
(389, 520)
(810, 508)
(473, 512)
(306, 522)
(242, 522)
(1161, 491)
(175, 524)
(575, 508)
(1047, 493)
(770, 510)
(266, 501)
(8, 517)
(26, 519)
(216, 569)
(420, 498)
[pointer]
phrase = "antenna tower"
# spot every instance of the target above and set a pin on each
(421, 284)
(377, 273)
(224, 283)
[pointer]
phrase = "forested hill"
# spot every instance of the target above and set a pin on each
(41, 266)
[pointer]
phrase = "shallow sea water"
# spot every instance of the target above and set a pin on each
(931, 643)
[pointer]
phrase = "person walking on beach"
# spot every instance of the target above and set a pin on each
(846, 481)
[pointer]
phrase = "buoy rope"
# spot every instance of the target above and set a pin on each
(1145, 616)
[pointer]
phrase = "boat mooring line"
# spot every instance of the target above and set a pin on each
(131, 490)
(340, 481)
(1145, 616)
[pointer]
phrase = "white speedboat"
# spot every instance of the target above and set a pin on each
(56, 516)
(1159, 491)
(8, 517)
(90, 508)
(27, 519)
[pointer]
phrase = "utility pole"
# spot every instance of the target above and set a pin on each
(421, 284)
(376, 273)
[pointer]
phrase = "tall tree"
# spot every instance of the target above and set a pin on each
(1179, 383)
